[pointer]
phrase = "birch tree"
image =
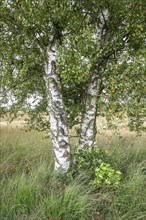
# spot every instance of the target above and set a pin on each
(65, 53)
(110, 44)
(108, 34)
(37, 27)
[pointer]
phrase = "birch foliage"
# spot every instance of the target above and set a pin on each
(27, 28)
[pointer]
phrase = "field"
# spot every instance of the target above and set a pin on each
(30, 190)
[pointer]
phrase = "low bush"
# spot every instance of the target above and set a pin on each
(95, 162)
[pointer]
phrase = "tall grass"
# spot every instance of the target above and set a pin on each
(30, 190)
(21, 152)
(33, 198)
(128, 201)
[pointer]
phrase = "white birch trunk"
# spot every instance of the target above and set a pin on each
(58, 127)
(88, 123)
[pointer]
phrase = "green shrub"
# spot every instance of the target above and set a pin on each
(105, 174)
(95, 162)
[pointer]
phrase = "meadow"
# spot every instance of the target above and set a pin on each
(31, 191)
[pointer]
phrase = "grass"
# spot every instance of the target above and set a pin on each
(128, 201)
(30, 190)
(33, 198)
(21, 152)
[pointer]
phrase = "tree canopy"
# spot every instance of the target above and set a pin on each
(26, 28)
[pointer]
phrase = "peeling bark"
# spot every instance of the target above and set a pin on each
(58, 126)
(88, 123)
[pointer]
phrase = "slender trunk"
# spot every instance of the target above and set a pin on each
(58, 127)
(88, 123)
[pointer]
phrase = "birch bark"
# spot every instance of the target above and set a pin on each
(88, 122)
(58, 127)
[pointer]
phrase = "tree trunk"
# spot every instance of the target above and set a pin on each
(58, 126)
(88, 122)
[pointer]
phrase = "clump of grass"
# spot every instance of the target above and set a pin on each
(19, 196)
(24, 196)
(29, 189)
(73, 203)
